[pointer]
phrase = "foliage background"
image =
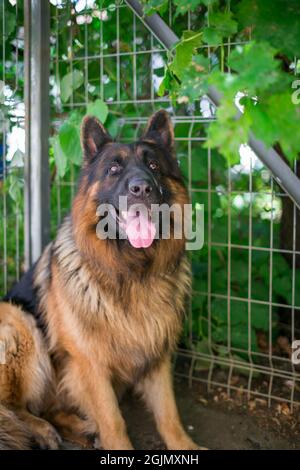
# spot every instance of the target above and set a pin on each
(245, 293)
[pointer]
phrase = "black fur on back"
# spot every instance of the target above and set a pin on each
(24, 294)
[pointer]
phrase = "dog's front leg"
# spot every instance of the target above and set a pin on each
(96, 397)
(157, 390)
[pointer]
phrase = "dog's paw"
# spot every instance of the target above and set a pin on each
(196, 447)
(46, 437)
(124, 444)
(186, 444)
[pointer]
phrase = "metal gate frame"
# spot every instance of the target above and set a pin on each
(37, 122)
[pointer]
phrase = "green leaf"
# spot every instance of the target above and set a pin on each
(183, 6)
(69, 140)
(282, 286)
(166, 83)
(184, 51)
(194, 78)
(186, 68)
(98, 109)
(169, 83)
(9, 22)
(276, 22)
(260, 317)
(112, 125)
(260, 289)
(239, 315)
(227, 134)
(15, 187)
(285, 116)
(262, 126)
(212, 36)
(256, 66)
(155, 6)
(204, 348)
(60, 157)
(239, 337)
(282, 266)
(221, 25)
(198, 162)
(17, 160)
(69, 83)
(75, 118)
(239, 271)
(257, 74)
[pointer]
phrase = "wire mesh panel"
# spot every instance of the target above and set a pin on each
(11, 141)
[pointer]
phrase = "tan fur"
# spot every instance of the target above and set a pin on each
(157, 390)
(14, 434)
(25, 378)
(27, 368)
(99, 340)
(73, 428)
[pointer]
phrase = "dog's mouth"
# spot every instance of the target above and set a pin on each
(138, 226)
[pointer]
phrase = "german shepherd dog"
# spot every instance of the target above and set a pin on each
(94, 315)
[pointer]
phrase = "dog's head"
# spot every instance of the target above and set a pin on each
(143, 173)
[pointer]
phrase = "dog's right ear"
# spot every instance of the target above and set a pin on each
(93, 137)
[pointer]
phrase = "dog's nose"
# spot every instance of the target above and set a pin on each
(140, 187)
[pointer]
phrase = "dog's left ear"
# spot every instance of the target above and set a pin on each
(160, 129)
(93, 137)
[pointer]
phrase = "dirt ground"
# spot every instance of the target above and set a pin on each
(216, 421)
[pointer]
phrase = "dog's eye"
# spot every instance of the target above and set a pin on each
(153, 165)
(114, 169)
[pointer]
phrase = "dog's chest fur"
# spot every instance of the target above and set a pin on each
(128, 324)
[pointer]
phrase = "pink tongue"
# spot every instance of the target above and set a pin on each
(140, 231)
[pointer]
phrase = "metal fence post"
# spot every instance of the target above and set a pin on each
(37, 180)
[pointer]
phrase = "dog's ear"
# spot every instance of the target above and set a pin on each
(160, 129)
(93, 137)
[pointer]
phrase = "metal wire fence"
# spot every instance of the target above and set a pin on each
(11, 142)
(244, 314)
